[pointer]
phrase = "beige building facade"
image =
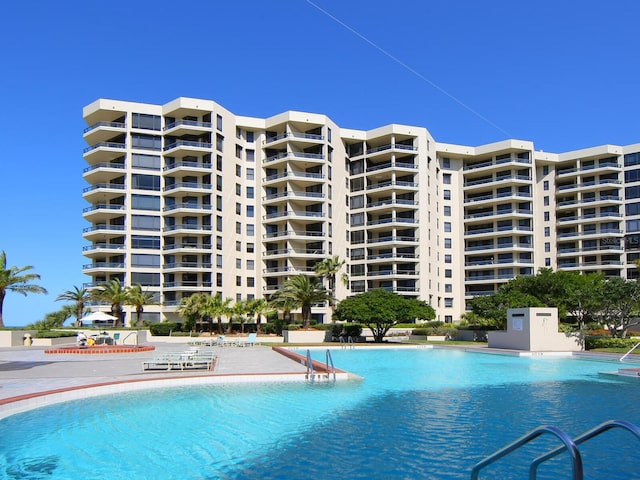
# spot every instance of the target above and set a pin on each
(188, 197)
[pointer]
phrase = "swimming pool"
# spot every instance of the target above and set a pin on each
(419, 413)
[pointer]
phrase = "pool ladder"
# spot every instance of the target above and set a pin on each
(347, 343)
(629, 352)
(330, 369)
(570, 445)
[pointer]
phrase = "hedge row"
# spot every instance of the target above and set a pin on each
(608, 342)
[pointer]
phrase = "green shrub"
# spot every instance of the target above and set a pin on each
(419, 332)
(608, 342)
(293, 326)
(163, 329)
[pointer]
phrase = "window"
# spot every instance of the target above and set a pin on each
(446, 163)
(250, 174)
(219, 183)
(145, 182)
(448, 287)
(219, 203)
(145, 241)
(149, 142)
(251, 265)
(238, 281)
(148, 122)
(219, 163)
(143, 260)
(546, 201)
(219, 122)
(238, 208)
(547, 247)
(238, 170)
(250, 137)
(238, 189)
(447, 194)
(250, 211)
(145, 222)
(238, 246)
(546, 216)
(139, 160)
(448, 302)
(219, 261)
(357, 219)
(219, 142)
(547, 231)
(218, 243)
(251, 229)
(250, 247)
(547, 262)
(447, 243)
(251, 155)
(447, 226)
(145, 202)
(251, 282)
(447, 211)
(238, 228)
(545, 170)
(145, 279)
(545, 185)
(446, 179)
(329, 134)
(218, 279)
(447, 258)
(448, 273)
(238, 263)
(218, 223)
(250, 192)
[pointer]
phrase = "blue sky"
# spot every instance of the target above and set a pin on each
(562, 74)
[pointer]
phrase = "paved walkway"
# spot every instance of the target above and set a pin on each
(28, 370)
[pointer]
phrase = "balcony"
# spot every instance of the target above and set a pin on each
(187, 147)
(392, 166)
(103, 192)
(103, 172)
(188, 247)
(490, 164)
(293, 234)
(104, 152)
(188, 187)
(102, 131)
(188, 286)
(297, 252)
(102, 249)
(299, 176)
(103, 231)
(188, 228)
(103, 267)
(393, 240)
(192, 208)
(294, 156)
(181, 166)
(101, 212)
(391, 147)
(294, 195)
(186, 127)
(509, 179)
(393, 186)
(294, 214)
(187, 266)
(305, 137)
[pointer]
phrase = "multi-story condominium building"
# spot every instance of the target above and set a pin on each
(188, 197)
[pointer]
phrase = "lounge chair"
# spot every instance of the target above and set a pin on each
(250, 341)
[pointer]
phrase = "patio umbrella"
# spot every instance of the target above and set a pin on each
(92, 317)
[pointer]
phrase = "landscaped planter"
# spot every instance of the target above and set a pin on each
(48, 342)
(304, 336)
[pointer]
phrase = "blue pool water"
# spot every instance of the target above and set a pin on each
(422, 413)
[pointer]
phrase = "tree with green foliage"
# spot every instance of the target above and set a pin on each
(619, 302)
(138, 298)
(280, 303)
(494, 307)
(379, 310)
(79, 298)
(239, 312)
(328, 269)
(191, 308)
(217, 307)
(114, 293)
(302, 292)
(15, 279)
(257, 307)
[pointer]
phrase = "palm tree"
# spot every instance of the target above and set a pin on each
(238, 311)
(257, 307)
(216, 308)
(13, 279)
(116, 294)
(79, 297)
(280, 303)
(303, 292)
(327, 269)
(192, 307)
(138, 298)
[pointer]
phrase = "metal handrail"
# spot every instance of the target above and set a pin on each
(329, 361)
(629, 352)
(594, 432)
(310, 372)
(569, 445)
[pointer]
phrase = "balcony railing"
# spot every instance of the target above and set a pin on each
(206, 166)
(103, 206)
(98, 228)
(119, 166)
(103, 246)
(195, 185)
(187, 123)
(186, 143)
(103, 265)
(104, 124)
(186, 226)
(492, 163)
(112, 186)
(105, 145)
(192, 206)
